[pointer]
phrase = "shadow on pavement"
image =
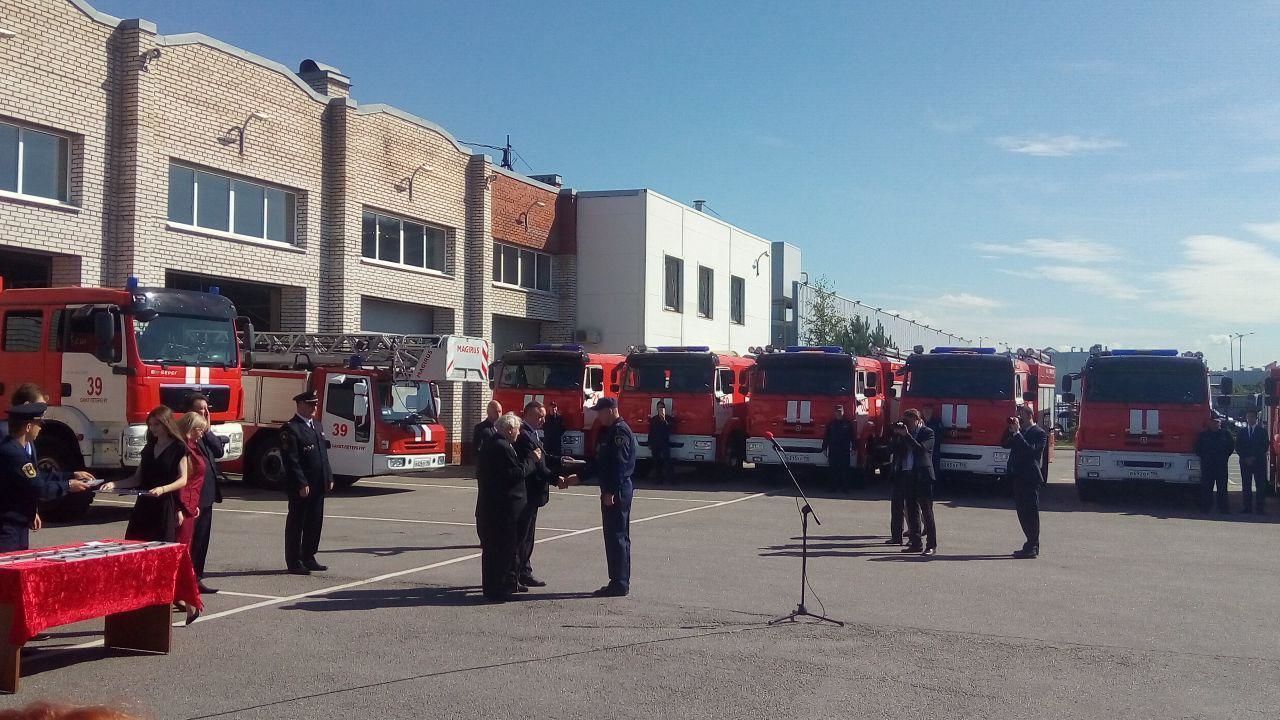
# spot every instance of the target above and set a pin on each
(392, 551)
(940, 557)
(415, 597)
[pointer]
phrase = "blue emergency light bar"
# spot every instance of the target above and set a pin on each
(964, 350)
(1157, 353)
(832, 349)
(684, 348)
(132, 283)
(557, 346)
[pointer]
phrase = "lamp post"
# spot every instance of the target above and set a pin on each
(1239, 356)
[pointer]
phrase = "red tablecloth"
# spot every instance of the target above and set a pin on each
(46, 594)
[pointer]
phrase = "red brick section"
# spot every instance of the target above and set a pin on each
(512, 199)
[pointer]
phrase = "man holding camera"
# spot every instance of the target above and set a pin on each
(913, 443)
(1026, 442)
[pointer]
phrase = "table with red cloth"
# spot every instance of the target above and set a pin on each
(134, 590)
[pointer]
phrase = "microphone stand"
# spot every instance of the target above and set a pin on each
(805, 512)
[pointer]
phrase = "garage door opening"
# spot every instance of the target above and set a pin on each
(261, 303)
(25, 270)
(396, 318)
(508, 332)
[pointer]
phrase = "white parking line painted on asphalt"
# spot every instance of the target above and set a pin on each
(423, 568)
(472, 488)
(342, 517)
(248, 595)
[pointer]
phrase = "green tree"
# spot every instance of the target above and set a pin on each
(826, 325)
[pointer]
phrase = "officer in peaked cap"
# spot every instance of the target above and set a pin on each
(615, 464)
(23, 486)
(308, 478)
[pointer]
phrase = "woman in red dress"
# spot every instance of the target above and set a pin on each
(193, 427)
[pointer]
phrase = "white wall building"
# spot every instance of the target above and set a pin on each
(653, 271)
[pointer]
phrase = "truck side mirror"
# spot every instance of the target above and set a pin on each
(893, 392)
(1029, 396)
(360, 401)
(1069, 398)
(871, 392)
(1269, 387)
(245, 327)
(104, 335)
(1227, 386)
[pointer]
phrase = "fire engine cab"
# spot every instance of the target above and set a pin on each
(1140, 414)
(1271, 399)
(379, 401)
(970, 393)
(794, 394)
(705, 393)
(561, 374)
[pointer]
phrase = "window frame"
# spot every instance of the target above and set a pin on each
(31, 314)
(668, 263)
(500, 270)
(64, 150)
(706, 292)
(428, 230)
(290, 200)
(737, 300)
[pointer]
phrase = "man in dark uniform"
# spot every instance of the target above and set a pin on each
(1026, 442)
(837, 443)
(661, 426)
(553, 435)
(307, 478)
(484, 429)
(212, 448)
(22, 486)
(529, 448)
(1214, 447)
(1252, 444)
(615, 463)
(913, 443)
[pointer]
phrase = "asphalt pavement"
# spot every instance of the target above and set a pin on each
(1139, 607)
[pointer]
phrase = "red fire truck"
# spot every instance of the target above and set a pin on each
(107, 356)
(562, 374)
(379, 401)
(1271, 399)
(705, 392)
(794, 394)
(971, 393)
(1140, 414)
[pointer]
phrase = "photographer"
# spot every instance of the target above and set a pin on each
(1026, 442)
(914, 476)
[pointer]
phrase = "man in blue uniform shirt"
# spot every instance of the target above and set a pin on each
(22, 486)
(615, 464)
(308, 478)
(1026, 442)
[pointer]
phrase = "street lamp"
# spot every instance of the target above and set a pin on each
(1239, 356)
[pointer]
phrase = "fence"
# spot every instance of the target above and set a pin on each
(905, 332)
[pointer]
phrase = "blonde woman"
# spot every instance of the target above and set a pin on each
(193, 426)
(162, 472)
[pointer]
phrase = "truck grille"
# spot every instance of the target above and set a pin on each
(174, 396)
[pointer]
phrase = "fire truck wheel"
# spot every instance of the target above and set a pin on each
(342, 482)
(266, 464)
(57, 451)
(1088, 490)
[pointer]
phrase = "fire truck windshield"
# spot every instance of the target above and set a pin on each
(404, 400)
(1147, 382)
(828, 379)
(994, 382)
(186, 340)
(542, 376)
(678, 377)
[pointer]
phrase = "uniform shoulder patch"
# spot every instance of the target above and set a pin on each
(620, 441)
(29, 470)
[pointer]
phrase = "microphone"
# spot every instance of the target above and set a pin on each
(769, 436)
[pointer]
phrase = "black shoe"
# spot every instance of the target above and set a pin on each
(1027, 553)
(299, 570)
(314, 566)
(610, 590)
(206, 590)
(192, 615)
(929, 551)
(912, 549)
(893, 541)
(522, 588)
(532, 581)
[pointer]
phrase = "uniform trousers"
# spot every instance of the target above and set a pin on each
(302, 528)
(617, 536)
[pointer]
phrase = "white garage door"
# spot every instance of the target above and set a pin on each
(509, 332)
(393, 317)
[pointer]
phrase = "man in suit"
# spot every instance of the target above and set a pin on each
(661, 426)
(1214, 447)
(837, 443)
(1026, 442)
(484, 429)
(22, 485)
(307, 478)
(538, 480)
(913, 443)
(212, 448)
(1251, 445)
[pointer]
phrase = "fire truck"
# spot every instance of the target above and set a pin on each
(562, 374)
(1271, 399)
(379, 398)
(105, 357)
(794, 394)
(970, 393)
(1140, 414)
(705, 392)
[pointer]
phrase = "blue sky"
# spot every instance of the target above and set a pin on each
(1045, 173)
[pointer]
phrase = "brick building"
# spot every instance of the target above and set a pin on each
(190, 163)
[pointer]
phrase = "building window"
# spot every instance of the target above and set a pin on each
(737, 300)
(673, 284)
(22, 330)
(217, 202)
(403, 242)
(519, 267)
(34, 163)
(706, 291)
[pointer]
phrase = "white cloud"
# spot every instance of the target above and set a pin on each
(1091, 279)
(1224, 280)
(966, 301)
(1055, 145)
(1267, 231)
(1072, 251)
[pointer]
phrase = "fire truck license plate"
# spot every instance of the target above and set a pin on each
(803, 458)
(1142, 473)
(426, 462)
(951, 464)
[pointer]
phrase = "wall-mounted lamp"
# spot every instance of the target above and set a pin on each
(6, 33)
(524, 216)
(407, 183)
(148, 57)
(236, 134)
(756, 265)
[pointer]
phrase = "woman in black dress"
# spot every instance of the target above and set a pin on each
(162, 472)
(500, 476)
